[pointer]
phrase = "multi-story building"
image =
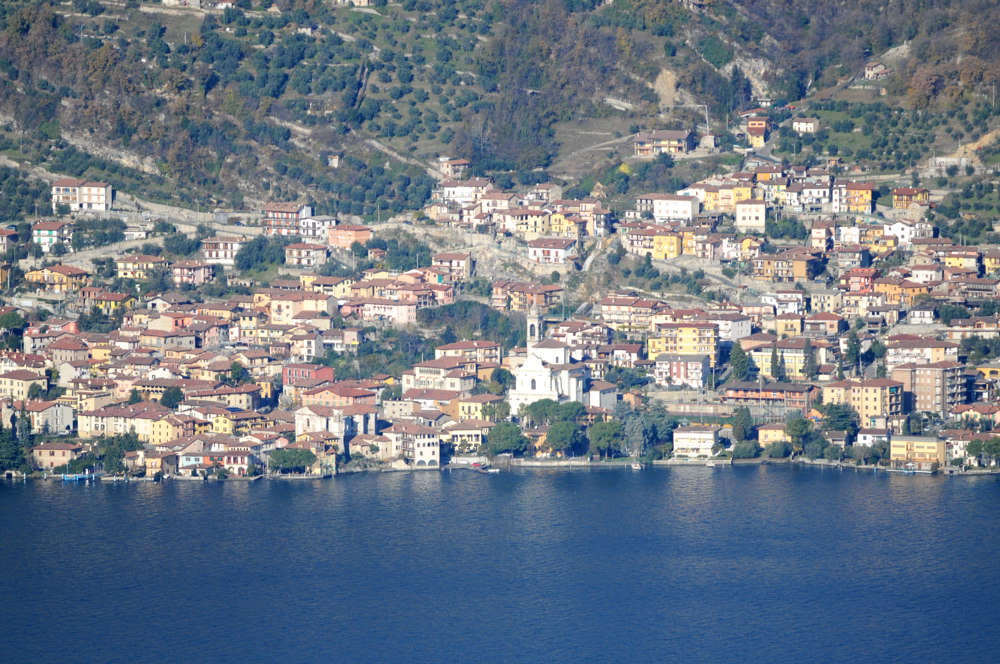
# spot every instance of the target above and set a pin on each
(194, 273)
(138, 266)
(221, 250)
(284, 218)
(523, 296)
(878, 401)
(787, 266)
(551, 250)
(770, 402)
(302, 254)
(751, 216)
(81, 194)
(695, 440)
(668, 207)
(458, 264)
(47, 234)
(688, 370)
(921, 451)
(935, 388)
(686, 338)
(662, 141)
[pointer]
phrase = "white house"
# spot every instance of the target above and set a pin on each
(316, 227)
(687, 370)
(695, 440)
(552, 250)
(81, 194)
(668, 207)
(751, 216)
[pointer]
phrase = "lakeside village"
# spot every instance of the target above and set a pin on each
(872, 341)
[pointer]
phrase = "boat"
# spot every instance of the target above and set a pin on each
(710, 464)
(492, 470)
(636, 466)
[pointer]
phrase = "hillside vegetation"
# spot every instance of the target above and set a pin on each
(250, 102)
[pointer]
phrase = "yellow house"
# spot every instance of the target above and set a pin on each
(788, 325)
(689, 241)
(667, 245)
(875, 400)
(711, 201)
(175, 426)
(772, 433)
(859, 196)
(962, 258)
(563, 225)
(138, 266)
(687, 338)
(58, 278)
(16, 384)
(478, 407)
(917, 449)
(904, 197)
(237, 423)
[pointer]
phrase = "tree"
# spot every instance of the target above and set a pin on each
(292, 460)
(34, 391)
(565, 437)
(746, 449)
(506, 437)
(740, 363)
(778, 450)
(238, 374)
(11, 453)
(636, 436)
(778, 372)
(134, 396)
(743, 428)
(809, 366)
(853, 354)
(798, 429)
(172, 396)
(841, 417)
(604, 437)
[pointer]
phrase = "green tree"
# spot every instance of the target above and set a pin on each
(565, 437)
(34, 391)
(11, 453)
(172, 396)
(134, 397)
(740, 363)
(746, 449)
(238, 374)
(833, 453)
(810, 368)
(506, 437)
(292, 460)
(841, 417)
(743, 427)
(798, 429)
(778, 450)
(778, 372)
(604, 437)
(853, 353)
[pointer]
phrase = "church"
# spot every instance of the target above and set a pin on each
(548, 372)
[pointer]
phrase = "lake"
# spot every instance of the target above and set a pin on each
(754, 563)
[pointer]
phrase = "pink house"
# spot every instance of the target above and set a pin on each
(195, 273)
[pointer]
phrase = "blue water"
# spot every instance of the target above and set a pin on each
(749, 564)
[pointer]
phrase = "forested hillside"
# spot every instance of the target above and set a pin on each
(251, 101)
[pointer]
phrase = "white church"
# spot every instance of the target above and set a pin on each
(548, 372)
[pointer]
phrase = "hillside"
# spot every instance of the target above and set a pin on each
(247, 104)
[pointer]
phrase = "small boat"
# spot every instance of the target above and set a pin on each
(492, 470)
(636, 466)
(710, 464)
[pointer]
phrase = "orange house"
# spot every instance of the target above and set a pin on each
(344, 235)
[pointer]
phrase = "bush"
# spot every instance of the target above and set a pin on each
(778, 450)
(747, 449)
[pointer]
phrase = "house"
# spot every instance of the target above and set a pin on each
(463, 192)
(937, 387)
(58, 278)
(684, 370)
(668, 207)
(555, 251)
(770, 401)
(878, 401)
(695, 441)
(17, 384)
(192, 273)
(301, 254)
(523, 296)
(458, 265)
(284, 218)
(772, 433)
(477, 350)
(921, 451)
(343, 236)
(904, 197)
(751, 216)
(138, 266)
(77, 194)
(453, 169)
(316, 228)
(805, 125)
(876, 71)
(49, 456)
(685, 338)
(662, 141)
(787, 266)
(47, 234)
(221, 250)
(419, 445)
(106, 301)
